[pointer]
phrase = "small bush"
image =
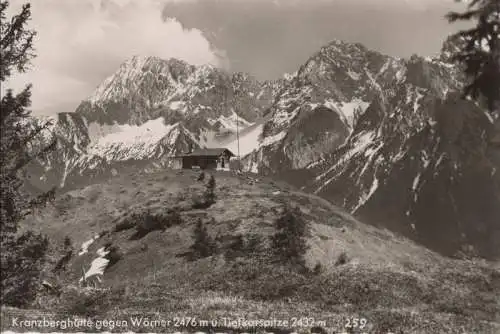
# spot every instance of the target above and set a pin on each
(236, 248)
(203, 245)
(68, 243)
(318, 330)
(174, 217)
(68, 252)
(63, 261)
(208, 197)
(199, 202)
(209, 194)
(289, 244)
(254, 244)
(89, 302)
(342, 259)
(148, 222)
(22, 260)
(114, 255)
(126, 224)
(318, 269)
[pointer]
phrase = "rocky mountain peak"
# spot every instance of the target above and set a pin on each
(152, 108)
(378, 135)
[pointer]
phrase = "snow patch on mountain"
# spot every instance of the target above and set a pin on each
(362, 142)
(148, 133)
(233, 122)
(177, 105)
(247, 142)
(353, 75)
(98, 265)
(365, 197)
(85, 246)
(273, 139)
(348, 110)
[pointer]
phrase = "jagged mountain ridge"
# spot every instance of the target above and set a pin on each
(417, 163)
(149, 109)
(344, 78)
(366, 128)
(409, 158)
(316, 115)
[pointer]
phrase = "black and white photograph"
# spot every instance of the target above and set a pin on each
(250, 166)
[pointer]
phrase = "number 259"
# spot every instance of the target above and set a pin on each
(355, 323)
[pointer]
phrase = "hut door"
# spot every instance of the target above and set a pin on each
(222, 162)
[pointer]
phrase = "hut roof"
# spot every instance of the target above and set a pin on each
(212, 152)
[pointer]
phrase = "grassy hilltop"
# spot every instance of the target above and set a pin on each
(146, 223)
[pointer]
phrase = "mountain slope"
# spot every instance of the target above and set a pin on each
(419, 163)
(148, 110)
(390, 140)
(365, 272)
(315, 115)
(387, 138)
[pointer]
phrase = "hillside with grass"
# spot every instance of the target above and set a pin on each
(178, 244)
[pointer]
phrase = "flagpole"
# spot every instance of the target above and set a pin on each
(238, 139)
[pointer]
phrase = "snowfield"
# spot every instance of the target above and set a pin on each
(97, 266)
(247, 142)
(151, 132)
(86, 245)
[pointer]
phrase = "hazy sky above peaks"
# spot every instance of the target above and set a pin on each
(81, 42)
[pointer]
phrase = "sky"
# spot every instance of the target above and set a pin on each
(81, 42)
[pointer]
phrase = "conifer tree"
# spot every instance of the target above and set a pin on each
(210, 191)
(21, 256)
(289, 243)
(203, 245)
(479, 51)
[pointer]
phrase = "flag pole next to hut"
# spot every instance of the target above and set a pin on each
(238, 139)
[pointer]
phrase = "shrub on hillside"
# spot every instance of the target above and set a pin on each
(68, 251)
(147, 222)
(63, 261)
(245, 246)
(264, 281)
(126, 224)
(254, 244)
(342, 259)
(114, 255)
(288, 243)
(318, 269)
(86, 301)
(209, 194)
(198, 202)
(208, 197)
(203, 244)
(175, 218)
(21, 268)
(236, 248)
(68, 243)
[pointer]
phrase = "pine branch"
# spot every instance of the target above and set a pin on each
(16, 42)
(455, 16)
(27, 158)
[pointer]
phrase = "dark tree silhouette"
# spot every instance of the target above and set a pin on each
(203, 245)
(209, 194)
(479, 51)
(289, 242)
(21, 256)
